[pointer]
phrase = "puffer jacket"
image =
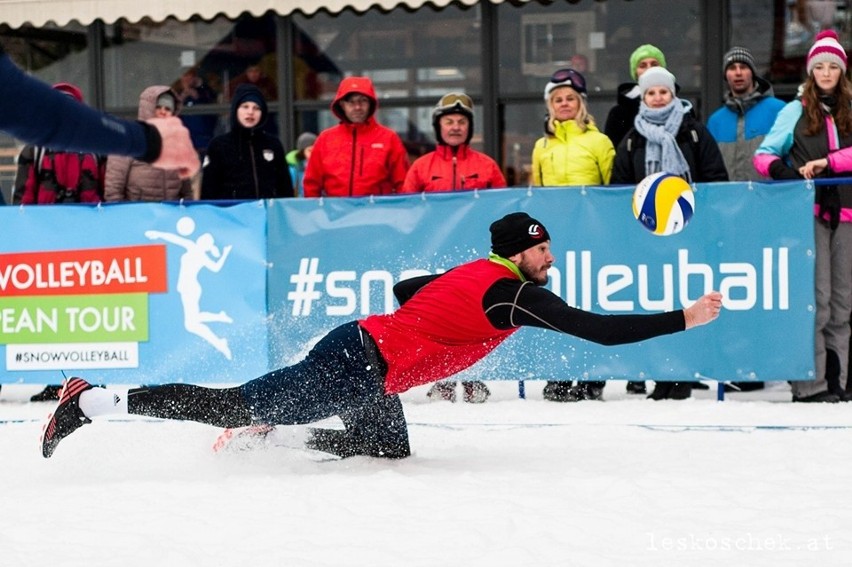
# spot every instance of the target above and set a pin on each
(569, 156)
(356, 159)
(458, 168)
(246, 163)
(46, 177)
(128, 179)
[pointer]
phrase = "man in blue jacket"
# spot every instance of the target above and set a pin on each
(739, 127)
(747, 115)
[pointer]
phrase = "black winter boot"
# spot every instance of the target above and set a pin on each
(671, 391)
(557, 391)
(832, 373)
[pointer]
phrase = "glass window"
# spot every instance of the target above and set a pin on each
(218, 54)
(52, 54)
(780, 32)
(404, 50)
(412, 57)
(204, 61)
(595, 38)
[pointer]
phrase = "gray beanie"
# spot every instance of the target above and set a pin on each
(739, 55)
(305, 141)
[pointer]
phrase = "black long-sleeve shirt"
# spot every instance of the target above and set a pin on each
(510, 303)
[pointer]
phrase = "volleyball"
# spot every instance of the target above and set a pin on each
(663, 203)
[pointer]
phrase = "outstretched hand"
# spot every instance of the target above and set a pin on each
(177, 152)
(704, 310)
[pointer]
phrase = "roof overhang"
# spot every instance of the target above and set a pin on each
(16, 13)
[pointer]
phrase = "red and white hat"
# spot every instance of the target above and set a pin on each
(826, 49)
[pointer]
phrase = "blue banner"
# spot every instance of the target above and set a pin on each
(138, 293)
(338, 260)
(153, 293)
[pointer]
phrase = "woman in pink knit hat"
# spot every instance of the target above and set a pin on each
(812, 138)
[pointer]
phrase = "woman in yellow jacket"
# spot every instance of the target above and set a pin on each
(572, 152)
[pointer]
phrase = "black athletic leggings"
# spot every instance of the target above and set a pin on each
(222, 407)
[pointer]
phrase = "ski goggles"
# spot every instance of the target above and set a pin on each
(569, 78)
(454, 101)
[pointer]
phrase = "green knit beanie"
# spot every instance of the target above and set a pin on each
(644, 52)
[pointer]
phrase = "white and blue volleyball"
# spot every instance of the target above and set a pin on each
(663, 203)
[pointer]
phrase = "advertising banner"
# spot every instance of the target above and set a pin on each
(138, 293)
(337, 260)
(155, 293)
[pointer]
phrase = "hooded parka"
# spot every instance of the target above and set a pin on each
(356, 159)
(129, 179)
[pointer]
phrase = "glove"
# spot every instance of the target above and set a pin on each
(780, 170)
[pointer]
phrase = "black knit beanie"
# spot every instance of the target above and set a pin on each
(515, 233)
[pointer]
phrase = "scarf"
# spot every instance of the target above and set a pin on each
(742, 104)
(659, 126)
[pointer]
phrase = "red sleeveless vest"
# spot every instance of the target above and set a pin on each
(441, 330)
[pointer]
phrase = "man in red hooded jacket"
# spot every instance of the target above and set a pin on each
(359, 156)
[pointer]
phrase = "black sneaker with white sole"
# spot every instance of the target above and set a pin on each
(66, 418)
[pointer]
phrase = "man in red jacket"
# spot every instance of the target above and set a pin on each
(359, 156)
(445, 324)
(454, 166)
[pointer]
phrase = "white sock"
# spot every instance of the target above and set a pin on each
(100, 401)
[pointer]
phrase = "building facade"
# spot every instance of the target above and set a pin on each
(501, 53)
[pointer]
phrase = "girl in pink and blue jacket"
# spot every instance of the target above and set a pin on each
(812, 138)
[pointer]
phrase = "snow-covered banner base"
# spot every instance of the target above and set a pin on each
(154, 293)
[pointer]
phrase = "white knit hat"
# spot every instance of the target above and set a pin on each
(826, 49)
(656, 77)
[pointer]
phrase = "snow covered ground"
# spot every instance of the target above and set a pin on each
(753, 481)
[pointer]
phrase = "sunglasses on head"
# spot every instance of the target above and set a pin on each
(454, 100)
(569, 77)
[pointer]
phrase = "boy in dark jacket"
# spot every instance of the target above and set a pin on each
(246, 163)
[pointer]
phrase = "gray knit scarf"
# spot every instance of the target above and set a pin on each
(659, 127)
